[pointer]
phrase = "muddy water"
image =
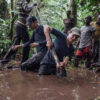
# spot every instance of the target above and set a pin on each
(79, 85)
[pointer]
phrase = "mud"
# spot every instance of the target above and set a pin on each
(80, 84)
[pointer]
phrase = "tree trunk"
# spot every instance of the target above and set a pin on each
(4, 9)
(73, 8)
(12, 19)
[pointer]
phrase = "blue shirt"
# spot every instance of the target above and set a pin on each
(39, 37)
(61, 48)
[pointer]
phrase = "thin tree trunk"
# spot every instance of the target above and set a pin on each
(4, 9)
(73, 8)
(12, 19)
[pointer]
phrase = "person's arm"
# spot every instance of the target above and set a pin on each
(15, 47)
(32, 45)
(35, 44)
(65, 61)
(28, 8)
(30, 41)
(57, 33)
(47, 30)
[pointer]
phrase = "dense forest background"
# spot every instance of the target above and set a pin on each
(52, 12)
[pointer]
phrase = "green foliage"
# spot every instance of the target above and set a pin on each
(54, 12)
(4, 35)
(87, 7)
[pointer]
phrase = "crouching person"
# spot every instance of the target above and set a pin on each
(63, 48)
(38, 40)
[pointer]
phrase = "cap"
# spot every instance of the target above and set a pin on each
(76, 31)
(30, 20)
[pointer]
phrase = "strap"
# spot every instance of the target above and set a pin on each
(38, 12)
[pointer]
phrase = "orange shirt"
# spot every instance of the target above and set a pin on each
(97, 32)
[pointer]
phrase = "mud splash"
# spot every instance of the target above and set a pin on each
(79, 85)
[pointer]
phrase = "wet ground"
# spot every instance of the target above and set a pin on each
(80, 84)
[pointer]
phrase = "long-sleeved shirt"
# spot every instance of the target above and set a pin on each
(61, 48)
(39, 37)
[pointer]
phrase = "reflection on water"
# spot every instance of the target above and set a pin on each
(79, 85)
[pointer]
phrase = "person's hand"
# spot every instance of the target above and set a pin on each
(61, 64)
(49, 44)
(15, 47)
(32, 45)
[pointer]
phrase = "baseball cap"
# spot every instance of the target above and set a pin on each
(30, 20)
(76, 31)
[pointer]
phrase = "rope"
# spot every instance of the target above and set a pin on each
(41, 21)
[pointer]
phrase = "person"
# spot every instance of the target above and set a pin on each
(63, 48)
(96, 55)
(37, 40)
(69, 22)
(21, 30)
(87, 32)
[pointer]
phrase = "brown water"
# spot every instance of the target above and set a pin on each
(79, 85)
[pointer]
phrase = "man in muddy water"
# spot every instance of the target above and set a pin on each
(42, 43)
(21, 30)
(87, 32)
(63, 48)
(69, 22)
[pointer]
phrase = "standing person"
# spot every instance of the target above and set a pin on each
(87, 33)
(96, 39)
(63, 48)
(21, 30)
(69, 22)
